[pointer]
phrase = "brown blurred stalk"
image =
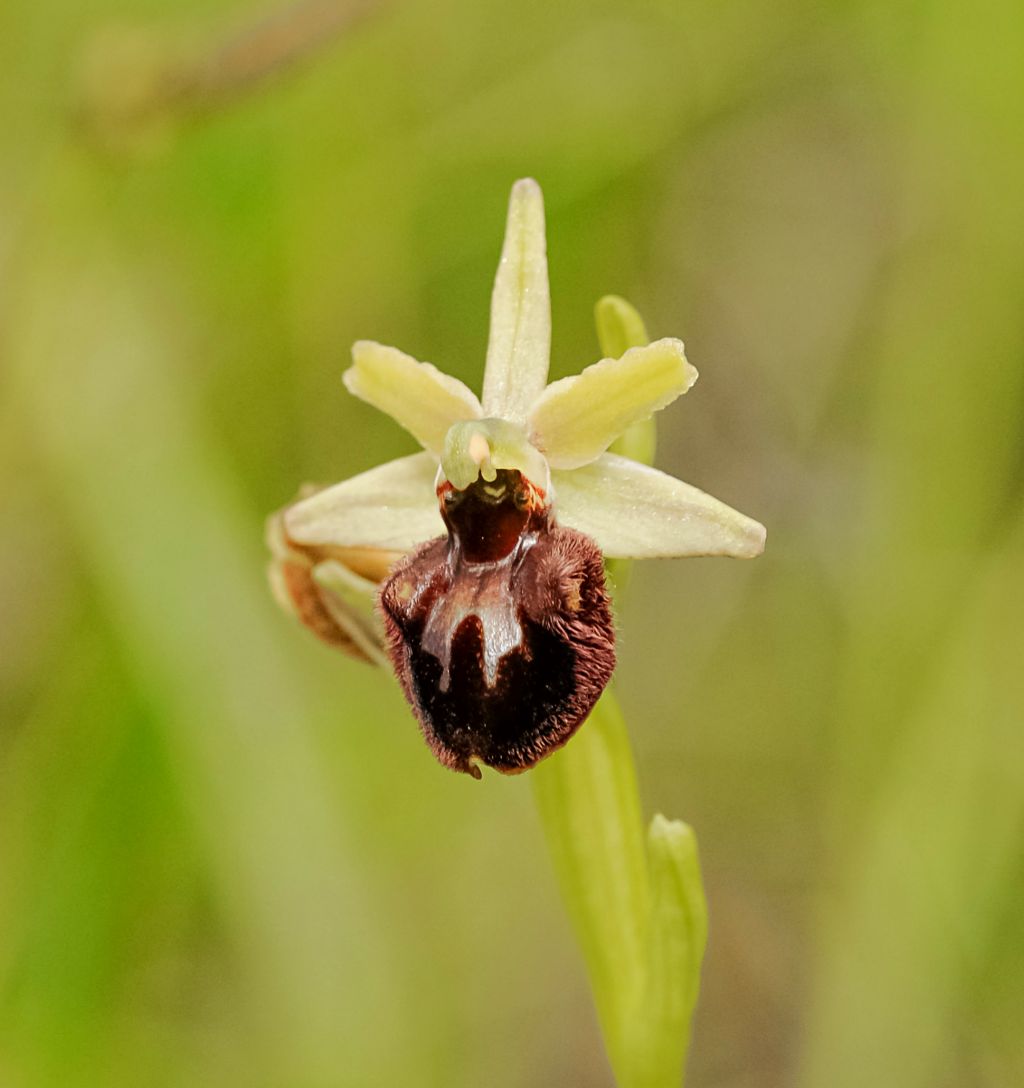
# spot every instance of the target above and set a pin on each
(132, 81)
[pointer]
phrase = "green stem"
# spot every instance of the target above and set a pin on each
(590, 808)
(636, 902)
(637, 907)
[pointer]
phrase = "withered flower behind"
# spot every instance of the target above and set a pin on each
(496, 618)
(329, 590)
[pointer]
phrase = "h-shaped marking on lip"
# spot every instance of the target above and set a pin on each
(482, 591)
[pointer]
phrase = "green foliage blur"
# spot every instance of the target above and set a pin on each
(226, 856)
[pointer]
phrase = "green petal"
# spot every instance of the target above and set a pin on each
(633, 511)
(577, 419)
(416, 395)
(520, 343)
(393, 506)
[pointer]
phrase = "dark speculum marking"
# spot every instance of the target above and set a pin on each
(501, 633)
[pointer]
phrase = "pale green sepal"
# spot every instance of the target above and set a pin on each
(393, 506)
(519, 347)
(481, 447)
(676, 939)
(633, 511)
(416, 395)
(577, 419)
(351, 601)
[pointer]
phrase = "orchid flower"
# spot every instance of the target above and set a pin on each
(489, 542)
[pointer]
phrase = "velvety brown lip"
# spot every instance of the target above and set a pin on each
(501, 634)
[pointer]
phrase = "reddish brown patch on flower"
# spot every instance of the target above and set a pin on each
(501, 634)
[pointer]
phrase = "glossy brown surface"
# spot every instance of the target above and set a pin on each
(501, 634)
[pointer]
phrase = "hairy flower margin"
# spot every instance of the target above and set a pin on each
(334, 546)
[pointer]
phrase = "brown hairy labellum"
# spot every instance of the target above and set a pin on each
(501, 634)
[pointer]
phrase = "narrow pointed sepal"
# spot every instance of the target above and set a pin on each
(392, 506)
(416, 395)
(519, 347)
(576, 419)
(637, 512)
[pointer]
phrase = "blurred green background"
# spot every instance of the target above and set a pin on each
(226, 856)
